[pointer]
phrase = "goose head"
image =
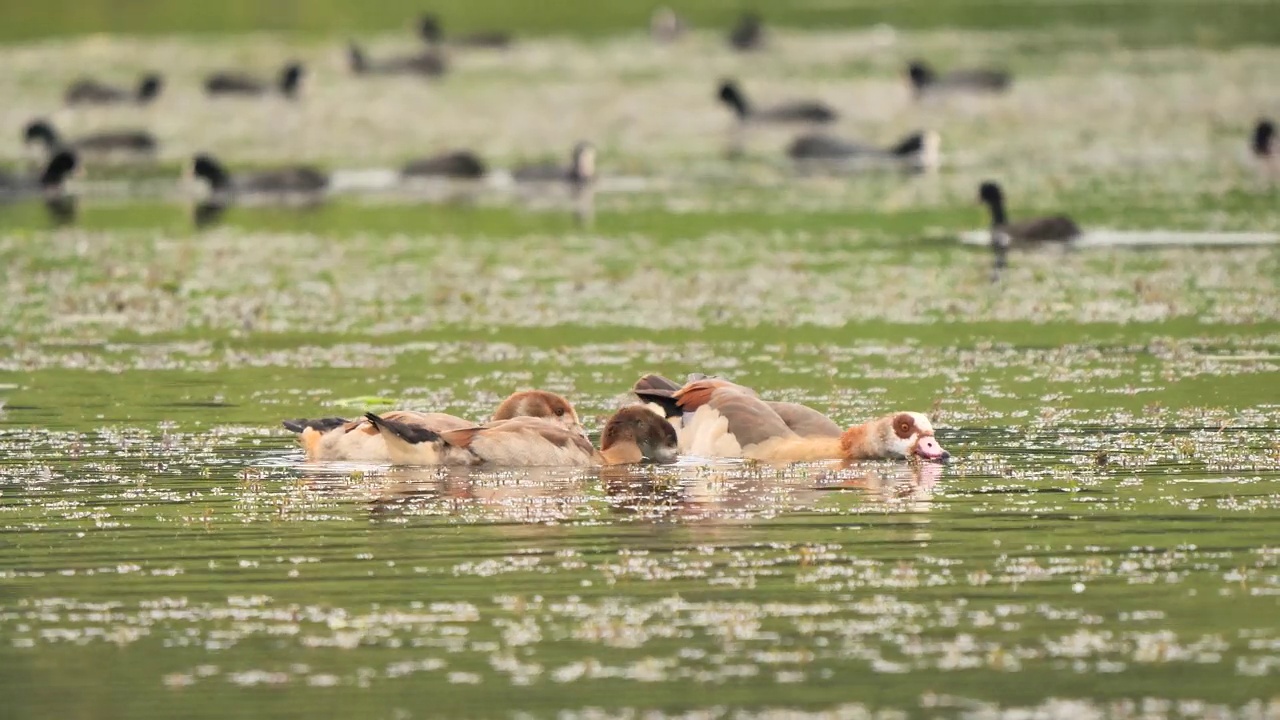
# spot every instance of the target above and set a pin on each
(150, 87)
(1264, 138)
(910, 434)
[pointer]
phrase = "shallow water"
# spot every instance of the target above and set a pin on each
(1103, 544)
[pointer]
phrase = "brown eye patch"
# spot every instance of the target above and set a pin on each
(904, 425)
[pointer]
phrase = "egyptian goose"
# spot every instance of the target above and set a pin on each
(661, 394)
(917, 151)
(457, 164)
(633, 435)
(431, 31)
(796, 111)
(301, 180)
(136, 142)
(425, 64)
(976, 80)
(1031, 232)
(93, 92)
(341, 439)
(238, 83)
(748, 33)
(730, 421)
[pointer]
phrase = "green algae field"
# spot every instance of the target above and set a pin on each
(1104, 542)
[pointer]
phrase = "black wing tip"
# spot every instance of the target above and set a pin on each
(409, 433)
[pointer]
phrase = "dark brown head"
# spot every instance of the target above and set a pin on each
(539, 404)
(638, 426)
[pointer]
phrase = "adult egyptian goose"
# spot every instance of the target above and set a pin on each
(662, 393)
(457, 164)
(234, 83)
(124, 142)
(633, 435)
(918, 151)
(425, 64)
(724, 420)
(925, 81)
(336, 438)
(296, 180)
(796, 111)
(1027, 233)
(88, 91)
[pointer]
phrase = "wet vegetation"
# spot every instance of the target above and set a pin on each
(1102, 543)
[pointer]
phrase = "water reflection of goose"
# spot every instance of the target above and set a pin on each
(1031, 232)
(337, 438)
(722, 419)
(88, 91)
(632, 435)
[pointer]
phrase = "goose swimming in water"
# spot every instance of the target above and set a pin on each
(975, 80)
(299, 180)
(425, 64)
(917, 151)
(341, 439)
(632, 435)
(232, 83)
(798, 111)
(125, 142)
(722, 419)
(93, 92)
(1031, 232)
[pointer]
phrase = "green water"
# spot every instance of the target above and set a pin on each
(1103, 544)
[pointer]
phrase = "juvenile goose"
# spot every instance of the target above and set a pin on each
(303, 180)
(237, 83)
(581, 170)
(632, 435)
(132, 142)
(432, 32)
(663, 395)
(748, 33)
(804, 111)
(340, 439)
(93, 92)
(976, 80)
(728, 422)
(1263, 145)
(917, 151)
(457, 164)
(1024, 233)
(426, 63)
